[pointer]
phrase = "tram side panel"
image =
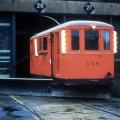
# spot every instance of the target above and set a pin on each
(95, 66)
(40, 58)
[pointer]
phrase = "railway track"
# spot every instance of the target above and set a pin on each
(109, 106)
(100, 109)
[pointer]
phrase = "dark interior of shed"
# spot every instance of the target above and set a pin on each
(26, 26)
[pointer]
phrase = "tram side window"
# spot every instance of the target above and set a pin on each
(75, 39)
(106, 37)
(45, 43)
(40, 44)
(91, 40)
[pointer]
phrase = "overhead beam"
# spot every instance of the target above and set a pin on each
(60, 7)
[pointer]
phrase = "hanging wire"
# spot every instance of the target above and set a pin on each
(51, 19)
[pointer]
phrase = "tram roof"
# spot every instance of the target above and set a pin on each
(74, 23)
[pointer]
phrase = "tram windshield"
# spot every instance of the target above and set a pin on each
(91, 40)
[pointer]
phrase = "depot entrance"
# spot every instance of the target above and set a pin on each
(28, 24)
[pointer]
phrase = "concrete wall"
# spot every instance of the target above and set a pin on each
(59, 6)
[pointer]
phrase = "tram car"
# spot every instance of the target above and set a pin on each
(76, 51)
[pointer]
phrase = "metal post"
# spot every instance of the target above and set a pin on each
(13, 47)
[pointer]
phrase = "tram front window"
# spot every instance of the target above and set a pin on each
(91, 40)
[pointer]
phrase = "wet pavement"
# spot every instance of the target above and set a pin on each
(11, 110)
(68, 109)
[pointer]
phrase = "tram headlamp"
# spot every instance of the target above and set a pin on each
(93, 26)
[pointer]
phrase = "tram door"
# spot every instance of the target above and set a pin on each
(55, 54)
(4, 49)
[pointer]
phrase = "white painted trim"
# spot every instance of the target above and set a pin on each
(4, 51)
(5, 76)
(4, 57)
(4, 68)
(5, 61)
(4, 24)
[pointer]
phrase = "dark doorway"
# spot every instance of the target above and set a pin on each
(26, 26)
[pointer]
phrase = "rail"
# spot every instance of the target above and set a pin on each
(100, 109)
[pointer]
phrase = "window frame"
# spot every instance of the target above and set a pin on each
(99, 37)
(70, 44)
(45, 44)
(109, 39)
(40, 45)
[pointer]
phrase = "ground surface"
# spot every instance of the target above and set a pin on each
(70, 109)
(16, 106)
(11, 110)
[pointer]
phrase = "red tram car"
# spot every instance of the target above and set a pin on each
(75, 51)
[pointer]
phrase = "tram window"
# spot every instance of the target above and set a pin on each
(45, 43)
(91, 40)
(106, 37)
(75, 39)
(40, 44)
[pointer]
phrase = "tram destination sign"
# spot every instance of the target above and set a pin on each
(40, 6)
(89, 8)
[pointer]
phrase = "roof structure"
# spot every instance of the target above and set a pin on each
(74, 23)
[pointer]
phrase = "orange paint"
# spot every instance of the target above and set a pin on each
(73, 64)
